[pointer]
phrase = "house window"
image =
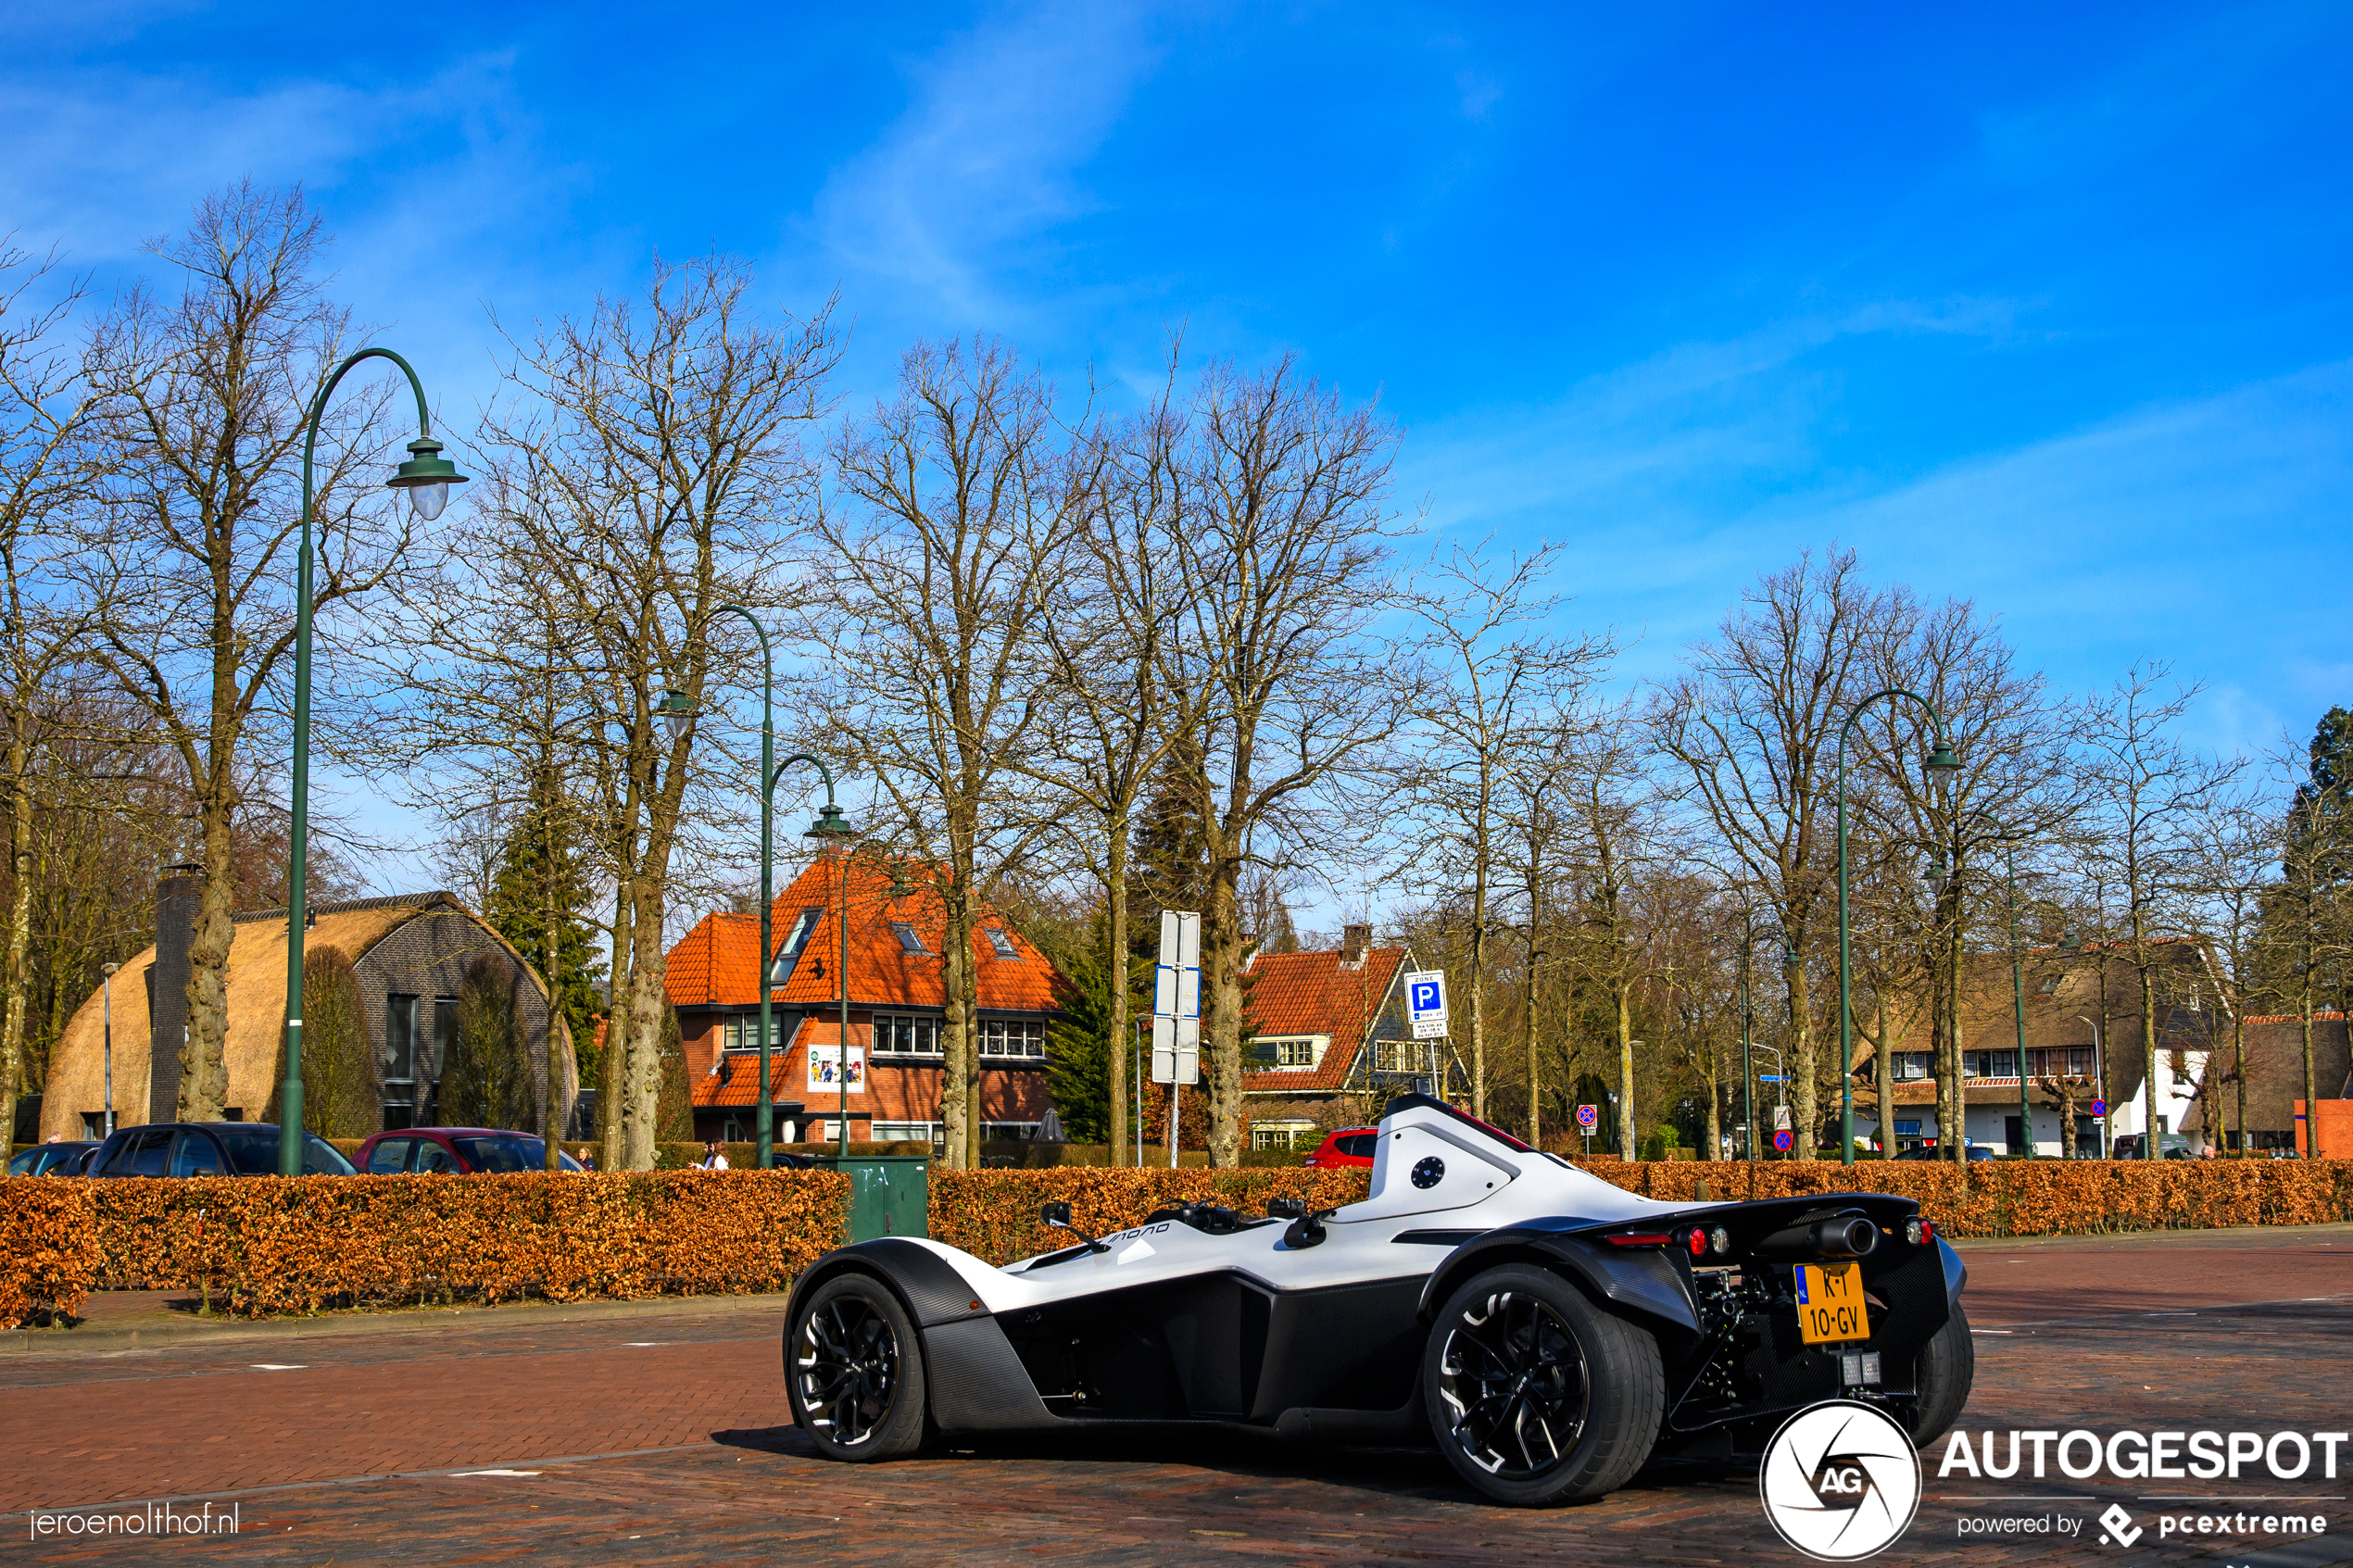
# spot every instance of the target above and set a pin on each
(1000, 944)
(1296, 1055)
(1284, 1135)
(908, 940)
(1989, 1064)
(804, 926)
(900, 1034)
(2060, 1061)
(908, 1132)
(1403, 1056)
(1912, 1065)
(1003, 1132)
(1021, 1038)
(742, 1033)
(400, 1061)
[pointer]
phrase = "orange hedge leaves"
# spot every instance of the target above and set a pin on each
(265, 1244)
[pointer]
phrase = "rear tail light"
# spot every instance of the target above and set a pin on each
(1720, 1240)
(1698, 1242)
(1917, 1230)
(1639, 1238)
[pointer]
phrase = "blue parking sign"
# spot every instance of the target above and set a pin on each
(1426, 1003)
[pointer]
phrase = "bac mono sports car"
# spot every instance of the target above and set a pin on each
(1549, 1332)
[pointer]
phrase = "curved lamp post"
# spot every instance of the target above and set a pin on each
(426, 476)
(1940, 762)
(829, 828)
(2018, 981)
(764, 1123)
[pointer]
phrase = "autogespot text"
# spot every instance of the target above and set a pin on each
(2145, 1456)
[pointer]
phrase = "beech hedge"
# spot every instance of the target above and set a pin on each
(266, 1246)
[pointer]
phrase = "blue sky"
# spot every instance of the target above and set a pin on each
(2049, 308)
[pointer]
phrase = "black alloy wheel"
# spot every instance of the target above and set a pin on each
(1513, 1382)
(854, 1371)
(1535, 1396)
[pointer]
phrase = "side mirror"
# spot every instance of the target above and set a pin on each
(1286, 1207)
(1055, 1215)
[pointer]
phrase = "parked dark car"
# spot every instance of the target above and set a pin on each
(1974, 1151)
(209, 1148)
(51, 1159)
(460, 1150)
(1350, 1148)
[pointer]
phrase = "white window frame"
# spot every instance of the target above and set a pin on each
(919, 1027)
(1012, 1039)
(1283, 1134)
(908, 1132)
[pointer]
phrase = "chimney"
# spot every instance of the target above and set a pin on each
(1353, 940)
(176, 894)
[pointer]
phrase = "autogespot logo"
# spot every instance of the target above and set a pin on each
(1840, 1481)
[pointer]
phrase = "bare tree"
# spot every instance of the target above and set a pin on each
(1754, 720)
(648, 466)
(2232, 852)
(206, 395)
(1284, 552)
(966, 506)
(1499, 697)
(44, 409)
(2146, 794)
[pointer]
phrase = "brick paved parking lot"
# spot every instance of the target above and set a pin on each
(653, 1433)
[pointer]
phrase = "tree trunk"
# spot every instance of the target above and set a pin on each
(613, 1142)
(1221, 976)
(2150, 1143)
(1122, 1044)
(1803, 1102)
(12, 1029)
(641, 1065)
(1478, 978)
(1625, 1075)
(1527, 1034)
(2238, 1044)
(1883, 1056)
(2311, 1147)
(204, 1062)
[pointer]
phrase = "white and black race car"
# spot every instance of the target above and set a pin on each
(1549, 1330)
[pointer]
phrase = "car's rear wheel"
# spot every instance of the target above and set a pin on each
(1947, 1366)
(854, 1371)
(1535, 1396)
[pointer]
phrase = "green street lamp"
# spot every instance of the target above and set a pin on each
(764, 1123)
(2018, 981)
(1941, 767)
(831, 827)
(427, 477)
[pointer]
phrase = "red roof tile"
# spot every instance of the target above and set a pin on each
(717, 963)
(1312, 994)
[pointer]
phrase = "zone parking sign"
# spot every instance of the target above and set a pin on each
(1426, 1003)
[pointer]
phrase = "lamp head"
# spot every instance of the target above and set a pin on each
(677, 711)
(831, 827)
(1937, 874)
(427, 476)
(1942, 767)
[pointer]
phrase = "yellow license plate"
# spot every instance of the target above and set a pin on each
(1829, 1303)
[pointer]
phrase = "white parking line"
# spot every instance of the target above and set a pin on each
(274, 1366)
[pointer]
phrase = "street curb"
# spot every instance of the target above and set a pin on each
(116, 1337)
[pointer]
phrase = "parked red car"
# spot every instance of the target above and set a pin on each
(1350, 1148)
(460, 1150)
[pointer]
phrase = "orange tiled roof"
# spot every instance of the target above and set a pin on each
(717, 963)
(1311, 994)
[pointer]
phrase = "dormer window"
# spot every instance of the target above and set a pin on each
(1002, 944)
(804, 926)
(908, 940)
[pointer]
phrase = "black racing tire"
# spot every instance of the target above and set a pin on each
(1535, 1396)
(1946, 1367)
(854, 1371)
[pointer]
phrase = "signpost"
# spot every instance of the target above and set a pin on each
(1176, 1015)
(1426, 1003)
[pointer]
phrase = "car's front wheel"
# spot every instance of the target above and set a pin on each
(1535, 1396)
(854, 1371)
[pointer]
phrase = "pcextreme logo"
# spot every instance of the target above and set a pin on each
(1840, 1481)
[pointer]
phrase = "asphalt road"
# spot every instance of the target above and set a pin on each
(654, 1433)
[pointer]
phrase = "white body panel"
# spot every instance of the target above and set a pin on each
(1478, 1184)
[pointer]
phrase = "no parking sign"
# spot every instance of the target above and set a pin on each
(2099, 1107)
(1784, 1140)
(1588, 1117)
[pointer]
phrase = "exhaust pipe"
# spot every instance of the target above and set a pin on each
(1849, 1236)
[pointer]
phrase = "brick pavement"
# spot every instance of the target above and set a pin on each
(697, 1468)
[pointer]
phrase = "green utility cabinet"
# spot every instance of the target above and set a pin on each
(890, 1194)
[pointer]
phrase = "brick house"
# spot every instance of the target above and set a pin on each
(2083, 1025)
(410, 954)
(1329, 1035)
(897, 1000)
